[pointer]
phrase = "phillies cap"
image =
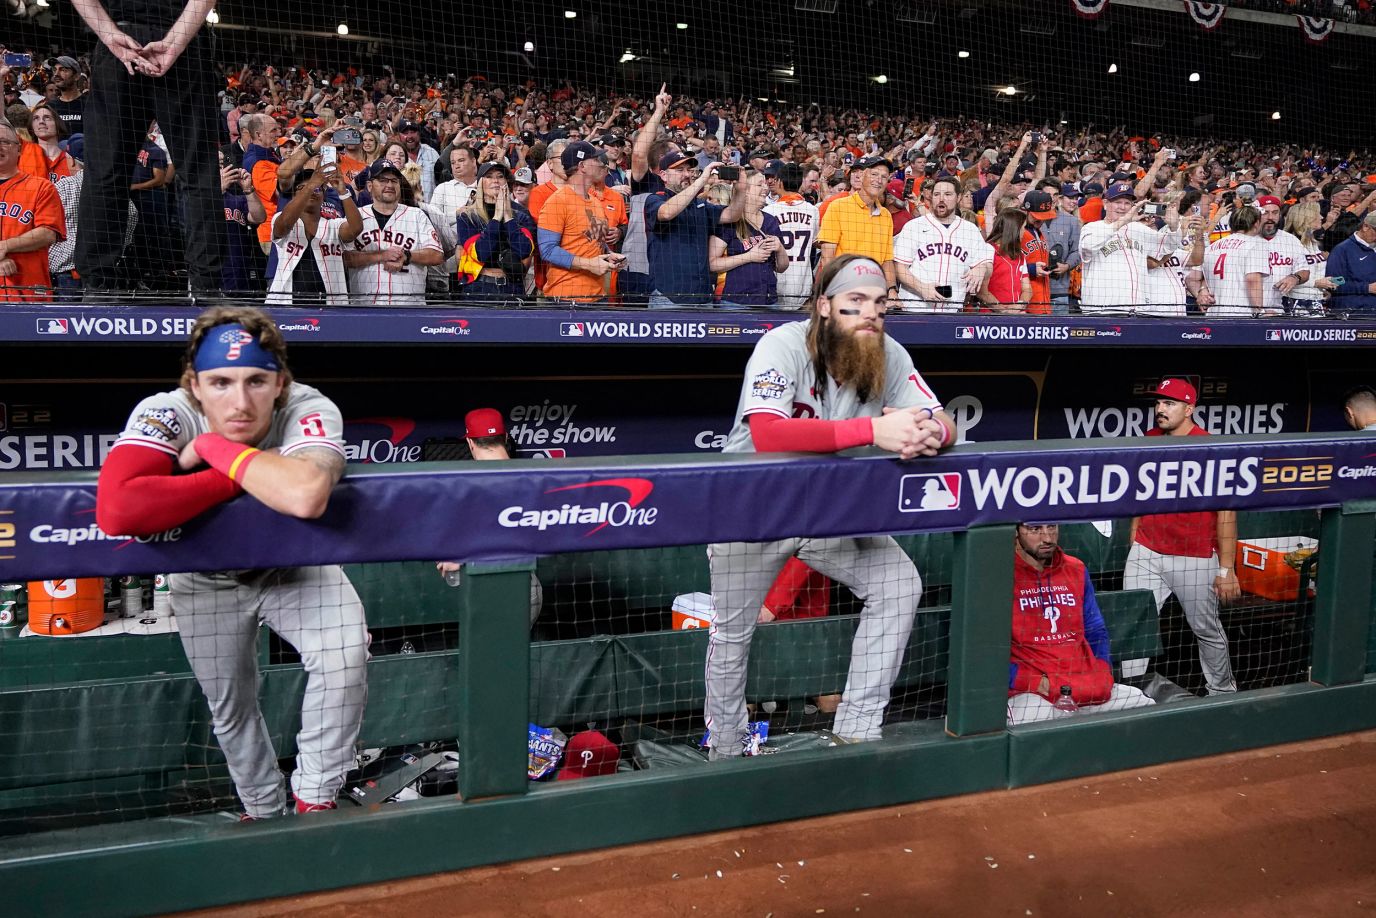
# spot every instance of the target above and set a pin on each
(1038, 204)
(1269, 199)
(1178, 389)
(895, 188)
(578, 152)
(1119, 190)
(524, 176)
(589, 755)
(483, 422)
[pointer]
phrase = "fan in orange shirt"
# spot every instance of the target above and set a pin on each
(30, 221)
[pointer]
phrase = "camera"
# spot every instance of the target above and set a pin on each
(728, 173)
(1153, 210)
(348, 137)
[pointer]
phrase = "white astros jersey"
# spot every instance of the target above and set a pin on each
(328, 253)
(1166, 284)
(168, 421)
(373, 285)
(1114, 277)
(798, 224)
(939, 254)
(1227, 263)
(779, 379)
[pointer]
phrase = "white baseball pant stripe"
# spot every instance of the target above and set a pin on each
(1030, 708)
(1192, 582)
(316, 610)
(879, 574)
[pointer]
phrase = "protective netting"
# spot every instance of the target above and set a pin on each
(1051, 157)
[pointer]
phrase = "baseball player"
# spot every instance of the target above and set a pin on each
(1059, 637)
(1189, 554)
(240, 423)
(798, 225)
(831, 383)
(938, 257)
(1287, 266)
(30, 222)
(388, 260)
(1232, 279)
(310, 246)
(1115, 252)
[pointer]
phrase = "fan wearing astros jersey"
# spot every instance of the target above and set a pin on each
(388, 259)
(939, 250)
(831, 383)
(30, 221)
(1115, 252)
(240, 423)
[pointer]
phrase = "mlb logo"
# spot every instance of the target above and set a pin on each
(556, 452)
(1273, 334)
(571, 329)
(53, 326)
(921, 493)
(965, 331)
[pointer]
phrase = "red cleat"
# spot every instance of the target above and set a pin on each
(304, 807)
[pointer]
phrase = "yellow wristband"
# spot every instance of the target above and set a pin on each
(238, 460)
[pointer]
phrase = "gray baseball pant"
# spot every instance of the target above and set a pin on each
(316, 610)
(1192, 582)
(874, 568)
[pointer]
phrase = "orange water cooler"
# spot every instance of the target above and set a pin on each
(58, 607)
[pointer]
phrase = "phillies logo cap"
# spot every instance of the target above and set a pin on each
(1177, 389)
(589, 755)
(483, 422)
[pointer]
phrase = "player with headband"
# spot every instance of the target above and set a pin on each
(239, 422)
(831, 383)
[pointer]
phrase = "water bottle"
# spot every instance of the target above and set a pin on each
(131, 596)
(453, 577)
(162, 597)
(1065, 702)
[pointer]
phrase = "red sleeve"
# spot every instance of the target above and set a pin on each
(790, 582)
(773, 434)
(138, 495)
(1027, 679)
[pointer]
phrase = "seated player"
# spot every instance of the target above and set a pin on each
(1059, 636)
(240, 423)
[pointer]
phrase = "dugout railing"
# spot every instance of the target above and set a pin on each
(85, 717)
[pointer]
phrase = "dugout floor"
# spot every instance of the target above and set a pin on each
(1289, 830)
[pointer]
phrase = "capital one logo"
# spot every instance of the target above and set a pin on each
(607, 507)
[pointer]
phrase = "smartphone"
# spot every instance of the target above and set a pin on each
(944, 290)
(728, 173)
(15, 59)
(1153, 210)
(1171, 154)
(1036, 137)
(348, 137)
(908, 186)
(329, 159)
(1339, 280)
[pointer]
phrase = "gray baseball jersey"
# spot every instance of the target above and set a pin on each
(168, 421)
(780, 379)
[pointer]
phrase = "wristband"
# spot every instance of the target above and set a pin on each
(227, 457)
(406, 257)
(947, 436)
(1223, 572)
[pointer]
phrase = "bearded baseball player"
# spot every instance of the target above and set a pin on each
(938, 257)
(1189, 554)
(388, 260)
(828, 384)
(240, 423)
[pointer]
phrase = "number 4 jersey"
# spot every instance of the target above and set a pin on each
(798, 223)
(169, 420)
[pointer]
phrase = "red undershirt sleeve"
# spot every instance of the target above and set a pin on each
(773, 434)
(138, 495)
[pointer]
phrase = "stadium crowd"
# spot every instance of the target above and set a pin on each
(422, 189)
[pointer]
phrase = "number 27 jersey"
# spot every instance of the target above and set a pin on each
(798, 224)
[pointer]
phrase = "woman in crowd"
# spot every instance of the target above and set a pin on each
(496, 238)
(1307, 299)
(371, 147)
(1007, 289)
(44, 156)
(749, 252)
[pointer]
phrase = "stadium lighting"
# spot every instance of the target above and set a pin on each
(1009, 90)
(881, 79)
(342, 28)
(681, 25)
(962, 54)
(528, 47)
(1112, 68)
(570, 14)
(212, 17)
(1275, 116)
(1194, 77)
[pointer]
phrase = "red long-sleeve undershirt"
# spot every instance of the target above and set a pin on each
(138, 494)
(773, 434)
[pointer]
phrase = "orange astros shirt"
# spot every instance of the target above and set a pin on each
(26, 203)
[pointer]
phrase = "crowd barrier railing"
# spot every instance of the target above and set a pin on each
(120, 719)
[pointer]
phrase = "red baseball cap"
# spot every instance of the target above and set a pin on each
(483, 422)
(1269, 199)
(1177, 389)
(589, 755)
